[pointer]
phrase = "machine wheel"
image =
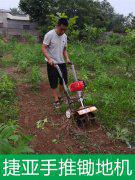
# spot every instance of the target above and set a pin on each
(84, 120)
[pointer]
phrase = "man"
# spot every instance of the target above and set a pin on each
(54, 49)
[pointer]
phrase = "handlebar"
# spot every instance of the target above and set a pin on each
(54, 64)
(66, 63)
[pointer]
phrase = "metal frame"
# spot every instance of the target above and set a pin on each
(79, 93)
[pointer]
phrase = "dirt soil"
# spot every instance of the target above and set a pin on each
(59, 135)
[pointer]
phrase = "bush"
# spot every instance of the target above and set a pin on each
(110, 54)
(129, 42)
(6, 87)
(92, 34)
(8, 110)
(8, 106)
(31, 39)
(12, 141)
(35, 77)
(6, 47)
(26, 55)
(23, 65)
(73, 33)
(115, 39)
(114, 97)
(109, 85)
(2, 47)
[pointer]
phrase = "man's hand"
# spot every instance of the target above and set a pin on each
(68, 61)
(51, 61)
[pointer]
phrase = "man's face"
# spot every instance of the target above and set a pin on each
(61, 29)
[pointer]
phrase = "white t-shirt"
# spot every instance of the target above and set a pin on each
(56, 45)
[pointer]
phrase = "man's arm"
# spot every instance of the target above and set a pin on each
(44, 51)
(65, 54)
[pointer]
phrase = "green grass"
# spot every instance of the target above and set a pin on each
(109, 73)
(108, 70)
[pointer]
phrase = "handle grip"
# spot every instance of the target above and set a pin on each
(69, 63)
(66, 63)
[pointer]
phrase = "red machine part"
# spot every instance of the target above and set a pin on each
(77, 86)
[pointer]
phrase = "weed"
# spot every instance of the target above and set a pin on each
(41, 123)
(6, 87)
(55, 141)
(12, 141)
(120, 134)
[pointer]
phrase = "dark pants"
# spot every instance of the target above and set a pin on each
(54, 77)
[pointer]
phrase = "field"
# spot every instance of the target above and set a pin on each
(28, 122)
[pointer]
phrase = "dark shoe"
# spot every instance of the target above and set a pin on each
(60, 99)
(56, 105)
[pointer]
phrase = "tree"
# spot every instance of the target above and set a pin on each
(130, 21)
(106, 14)
(118, 23)
(94, 13)
(38, 9)
(16, 11)
(90, 12)
(133, 23)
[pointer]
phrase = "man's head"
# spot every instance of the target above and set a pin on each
(62, 26)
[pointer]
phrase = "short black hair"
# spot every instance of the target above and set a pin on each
(63, 21)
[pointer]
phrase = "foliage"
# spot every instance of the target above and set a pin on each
(118, 23)
(114, 39)
(8, 109)
(130, 42)
(2, 47)
(16, 11)
(6, 87)
(120, 134)
(38, 10)
(5, 47)
(72, 28)
(99, 14)
(29, 38)
(130, 21)
(12, 141)
(92, 34)
(108, 71)
(26, 55)
(110, 54)
(107, 68)
(23, 65)
(93, 13)
(35, 77)
(41, 123)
